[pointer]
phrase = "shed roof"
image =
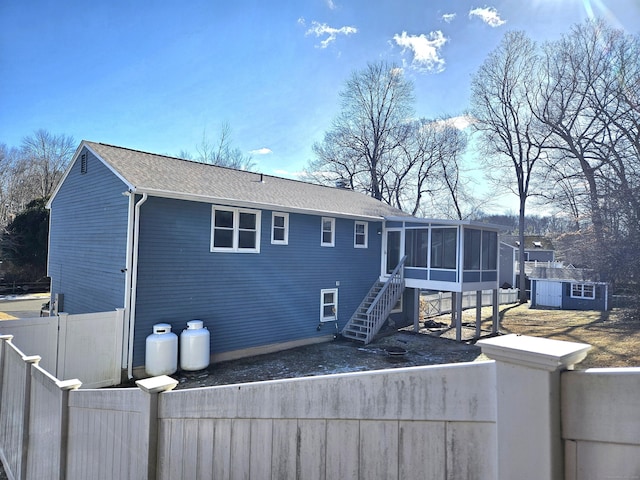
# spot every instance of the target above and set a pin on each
(565, 274)
(165, 176)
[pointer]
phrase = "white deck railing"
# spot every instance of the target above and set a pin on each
(435, 304)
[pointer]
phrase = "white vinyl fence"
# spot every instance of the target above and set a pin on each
(435, 304)
(86, 346)
(474, 421)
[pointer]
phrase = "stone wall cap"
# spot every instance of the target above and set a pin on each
(534, 352)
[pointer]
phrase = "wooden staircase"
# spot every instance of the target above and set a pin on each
(376, 306)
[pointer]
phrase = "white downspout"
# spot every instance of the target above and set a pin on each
(134, 284)
(127, 282)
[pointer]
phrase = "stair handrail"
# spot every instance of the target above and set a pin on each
(390, 280)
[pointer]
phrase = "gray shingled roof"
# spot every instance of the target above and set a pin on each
(176, 178)
(514, 241)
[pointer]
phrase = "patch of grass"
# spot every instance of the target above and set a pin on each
(614, 335)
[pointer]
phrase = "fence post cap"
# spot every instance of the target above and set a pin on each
(534, 352)
(31, 359)
(162, 383)
(69, 384)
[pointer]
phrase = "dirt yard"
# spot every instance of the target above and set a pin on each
(338, 356)
(615, 337)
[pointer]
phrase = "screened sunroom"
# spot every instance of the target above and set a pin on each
(443, 255)
(452, 256)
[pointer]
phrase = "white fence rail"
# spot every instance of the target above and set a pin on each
(420, 422)
(86, 346)
(440, 303)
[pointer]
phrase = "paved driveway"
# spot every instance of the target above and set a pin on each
(12, 307)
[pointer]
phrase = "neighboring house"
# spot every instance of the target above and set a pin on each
(266, 263)
(568, 288)
(538, 250)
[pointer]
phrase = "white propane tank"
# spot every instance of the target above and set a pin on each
(194, 346)
(161, 352)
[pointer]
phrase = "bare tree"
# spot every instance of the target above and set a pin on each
(452, 145)
(416, 174)
(47, 157)
(376, 146)
(8, 187)
(366, 137)
(503, 90)
(589, 101)
(220, 151)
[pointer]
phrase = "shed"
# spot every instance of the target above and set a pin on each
(568, 288)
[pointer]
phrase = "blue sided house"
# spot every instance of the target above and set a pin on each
(266, 263)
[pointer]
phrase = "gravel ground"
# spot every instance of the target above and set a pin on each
(430, 347)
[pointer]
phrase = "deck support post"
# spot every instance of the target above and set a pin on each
(478, 313)
(458, 309)
(495, 324)
(416, 309)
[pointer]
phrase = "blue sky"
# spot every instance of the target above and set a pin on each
(155, 75)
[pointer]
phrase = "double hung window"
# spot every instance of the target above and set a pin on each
(360, 235)
(279, 228)
(328, 232)
(329, 305)
(235, 230)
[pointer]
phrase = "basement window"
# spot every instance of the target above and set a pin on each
(329, 305)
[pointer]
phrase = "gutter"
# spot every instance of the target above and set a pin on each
(132, 270)
(257, 205)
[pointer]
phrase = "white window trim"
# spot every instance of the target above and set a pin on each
(333, 232)
(286, 228)
(334, 317)
(366, 234)
(582, 295)
(236, 230)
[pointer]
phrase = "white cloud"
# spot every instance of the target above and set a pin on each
(321, 29)
(288, 174)
(448, 17)
(261, 151)
(331, 4)
(426, 50)
(460, 122)
(488, 15)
